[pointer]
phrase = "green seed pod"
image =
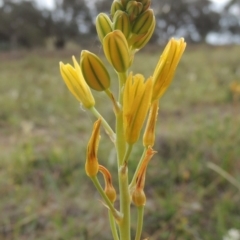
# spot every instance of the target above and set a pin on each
(143, 22)
(103, 25)
(121, 22)
(134, 8)
(116, 50)
(94, 71)
(139, 197)
(116, 5)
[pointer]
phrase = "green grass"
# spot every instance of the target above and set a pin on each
(44, 191)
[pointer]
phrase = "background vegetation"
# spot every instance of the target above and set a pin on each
(44, 191)
(24, 25)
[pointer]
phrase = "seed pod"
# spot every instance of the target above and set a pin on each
(109, 189)
(91, 165)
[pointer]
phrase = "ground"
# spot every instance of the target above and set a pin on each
(45, 193)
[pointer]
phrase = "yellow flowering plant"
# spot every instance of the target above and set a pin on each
(128, 29)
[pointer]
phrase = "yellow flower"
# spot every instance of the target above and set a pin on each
(149, 134)
(136, 101)
(76, 84)
(166, 67)
(91, 165)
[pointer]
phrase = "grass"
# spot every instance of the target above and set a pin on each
(44, 191)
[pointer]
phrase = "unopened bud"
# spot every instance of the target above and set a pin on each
(116, 50)
(121, 22)
(141, 41)
(116, 5)
(124, 3)
(134, 8)
(143, 22)
(146, 4)
(103, 25)
(94, 71)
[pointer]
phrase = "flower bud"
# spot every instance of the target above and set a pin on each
(94, 71)
(121, 22)
(143, 22)
(146, 4)
(103, 25)
(136, 101)
(167, 64)
(134, 8)
(149, 134)
(116, 5)
(124, 3)
(109, 189)
(91, 165)
(76, 84)
(116, 50)
(141, 40)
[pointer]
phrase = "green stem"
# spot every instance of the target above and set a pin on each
(98, 186)
(113, 225)
(139, 222)
(122, 79)
(137, 169)
(124, 225)
(108, 129)
(127, 154)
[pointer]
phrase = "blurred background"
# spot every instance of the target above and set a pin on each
(40, 23)
(193, 182)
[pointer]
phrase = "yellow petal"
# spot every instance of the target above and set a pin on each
(167, 64)
(136, 102)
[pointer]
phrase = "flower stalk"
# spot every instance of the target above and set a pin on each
(127, 30)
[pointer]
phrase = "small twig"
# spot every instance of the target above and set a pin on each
(224, 174)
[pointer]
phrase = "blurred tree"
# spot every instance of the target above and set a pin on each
(192, 19)
(231, 17)
(72, 20)
(21, 24)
